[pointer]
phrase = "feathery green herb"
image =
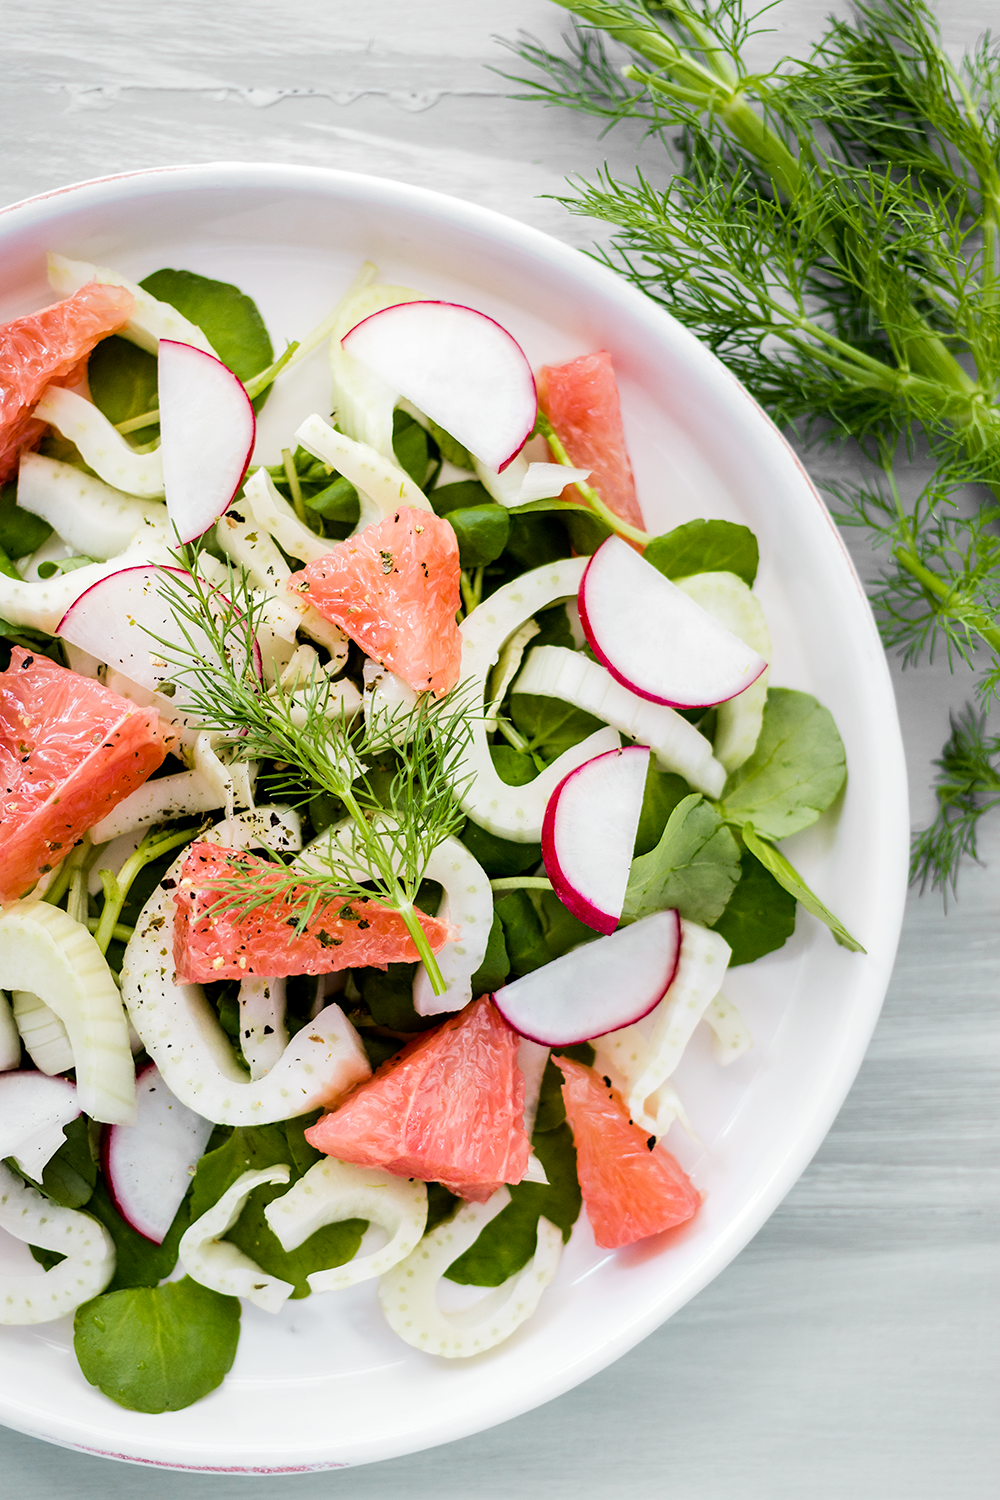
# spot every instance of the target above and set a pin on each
(831, 229)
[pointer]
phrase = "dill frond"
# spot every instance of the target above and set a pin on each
(967, 787)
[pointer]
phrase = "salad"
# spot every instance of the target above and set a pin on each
(378, 826)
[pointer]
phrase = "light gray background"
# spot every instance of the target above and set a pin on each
(851, 1350)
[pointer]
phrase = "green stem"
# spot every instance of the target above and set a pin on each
(60, 885)
(592, 498)
(472, 589)
(292, 475)
(949, 598)
(120, 933)
(409, 915)
(522, 883)
(117, 887)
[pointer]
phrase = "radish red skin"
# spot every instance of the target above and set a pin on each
(108, 1168)
(573, 899)
(593, 641)
(194, 503)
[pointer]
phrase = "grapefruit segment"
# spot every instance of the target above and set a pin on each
(449, 1108)
(360, 933)
(394, 589)
(48, 348)
(630, 1189)
(581, 401)
(70, 751)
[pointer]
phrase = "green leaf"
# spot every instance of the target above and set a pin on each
(122, 380)
(705, 547)
(694, 867)
(513, 767)
(155, 1349)
(302, 1155)
(537, 539)
(451, 448)
(508, 1241)
(500, 858)
(795, 772)
(66, 565)
(138, 1261)
(549, 725)
(481, 531)
(551, 1109)
(522, 933)
(337, 501)
(267, 1146)
(463, 494)
(561, 931)
(226, 316)
(495, 965)
(553, 628)
(441, 1204)
(389, 997)
(789, 878)
(760, 914)
(70, 1176)
(662, 792)
(20, 532)
(411, 447)
(586, 530)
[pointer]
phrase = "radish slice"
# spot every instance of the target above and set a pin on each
(512, 812)
(87, 1246)
(727, 599)
(408, 1293)
(596, 988)
(644, 1057)
(214, 1262)
(180, 1032)
(263, 1034)
(43, 603)
(122, 620)
(459, 367)
(33, 1111)
(41, 947)
(556, 672)
(332, 1191)
(654, 639)
(363, 402)
(151, 319)
(101, 445)
(94, 519)
(207, 432)
(382, 485)
(148, 1166)
(42, 1032)
(588, 836)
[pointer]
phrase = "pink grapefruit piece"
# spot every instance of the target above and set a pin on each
(394, 589)
(449, 1108)
(70, 751)
(581, 401)
(47, 348)
(230, 944)
(630, 1187)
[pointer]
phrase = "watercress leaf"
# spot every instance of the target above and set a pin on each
(534, 540)
(330, 1246)
(553, 628)
(138, 1261)
(508, 1241)
(451, 449)
(69, 1177)
(50, 568)
(787, 876)
(337, 501)
(760, 914)
(495, 965)
(302, 1156)
(441, 1204)
(481, 531)
(122, 381)
(410, 445)
(560, 929)
(462, 495)
(549, 725)
(20, 532)
(522, 932)
(247, 1148)
(513, 767)
(795, 772)
(160, 1348)
(586, 530)
(226, 316)
(705, 547)
(661, 794)
(551, 1109)
(500, 858)
(694, 867)
(389, 998)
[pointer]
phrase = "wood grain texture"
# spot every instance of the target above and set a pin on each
(851, 1350)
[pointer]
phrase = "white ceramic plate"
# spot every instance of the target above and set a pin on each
(326, 1384)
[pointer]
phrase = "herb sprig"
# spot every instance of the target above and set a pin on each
(396, 821)
(833, 234)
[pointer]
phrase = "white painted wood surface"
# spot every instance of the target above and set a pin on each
(851, 1350)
